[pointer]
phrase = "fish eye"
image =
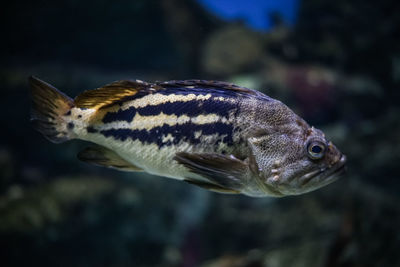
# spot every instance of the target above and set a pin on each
(316, 150)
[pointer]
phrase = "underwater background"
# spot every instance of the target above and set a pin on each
(335, 63)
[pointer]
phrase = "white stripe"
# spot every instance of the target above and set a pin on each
(157, 99)
(148, 122)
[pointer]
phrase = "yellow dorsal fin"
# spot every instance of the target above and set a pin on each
(108, 94)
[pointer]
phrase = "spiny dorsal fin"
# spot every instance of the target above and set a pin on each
(109, 94)
(204, 84)
(105, 157)
(117, 91)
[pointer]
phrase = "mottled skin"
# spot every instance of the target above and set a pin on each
(212, 134)
(278, 139)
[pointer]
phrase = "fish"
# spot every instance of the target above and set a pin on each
(215, 135)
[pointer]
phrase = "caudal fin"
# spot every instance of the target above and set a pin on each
(50, 108)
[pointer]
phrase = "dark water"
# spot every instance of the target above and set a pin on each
(338, 66)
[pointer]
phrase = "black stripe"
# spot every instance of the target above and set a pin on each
(173, 90)
(183, 132)
(91, 129)
(120, 115)
(190, 108)
(200, 90)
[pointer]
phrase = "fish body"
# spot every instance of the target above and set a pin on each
(216, 135)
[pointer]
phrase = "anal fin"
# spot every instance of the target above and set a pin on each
(105, 157)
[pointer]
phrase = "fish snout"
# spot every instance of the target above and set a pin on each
(339, 168)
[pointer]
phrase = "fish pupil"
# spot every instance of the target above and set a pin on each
(316, 149)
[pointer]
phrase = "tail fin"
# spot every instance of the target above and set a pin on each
(49, 110)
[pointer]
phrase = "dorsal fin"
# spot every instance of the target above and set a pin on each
(109, 94)
(204, 84)
(117, 91)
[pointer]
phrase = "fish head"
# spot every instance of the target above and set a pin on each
(297, 161)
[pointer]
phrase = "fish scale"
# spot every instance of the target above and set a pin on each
(216, 135)
(195, 110)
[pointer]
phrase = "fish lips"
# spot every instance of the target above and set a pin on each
(340, 167)
(326, 176)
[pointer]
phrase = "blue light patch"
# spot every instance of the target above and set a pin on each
(254, 12)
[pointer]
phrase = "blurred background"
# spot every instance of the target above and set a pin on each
(335, 63)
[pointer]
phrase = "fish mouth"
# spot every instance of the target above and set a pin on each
(332, 174)
(336, 171)
(340, 167)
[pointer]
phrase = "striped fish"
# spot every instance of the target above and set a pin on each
(215, 135)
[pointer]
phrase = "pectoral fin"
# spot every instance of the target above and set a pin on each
(225, 173)
(105, 157)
